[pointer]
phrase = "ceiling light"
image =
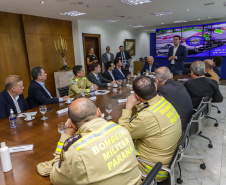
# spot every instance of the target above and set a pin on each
(162, 13)
(199, 19)
(162, 22)
(111, 20)
(187, 10)
(208, 17)
(180, 21)
(135, 2)
(138, 26)
(42, 2)
(72, 13)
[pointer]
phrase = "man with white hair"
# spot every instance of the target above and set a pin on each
(200, 86)
(175, 93)
(151, 66)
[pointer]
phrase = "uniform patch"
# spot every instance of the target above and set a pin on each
(74, 82)
(70, 141)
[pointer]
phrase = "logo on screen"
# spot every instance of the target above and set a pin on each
(195, 41)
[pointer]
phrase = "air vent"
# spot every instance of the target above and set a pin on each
(207, 4)
(76, 3)
(122, 16)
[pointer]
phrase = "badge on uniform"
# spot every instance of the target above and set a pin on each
(74, 82)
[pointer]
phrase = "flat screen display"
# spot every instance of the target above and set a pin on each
(200, 40)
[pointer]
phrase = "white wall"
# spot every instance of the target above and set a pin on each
(110, 35)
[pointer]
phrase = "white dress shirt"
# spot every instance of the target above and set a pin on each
(112, 76)
(174, 53)
(16, 103)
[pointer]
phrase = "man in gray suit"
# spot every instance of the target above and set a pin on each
(107, 56)
(96, 78)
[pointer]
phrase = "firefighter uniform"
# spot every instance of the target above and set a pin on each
(77, 85)
(156, 129)
(100, 153)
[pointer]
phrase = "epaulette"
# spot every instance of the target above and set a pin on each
(67, 144)
(70, 141)
(145, 105)
(74, 80)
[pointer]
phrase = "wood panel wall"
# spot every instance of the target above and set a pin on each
(13, 53)
(40, 34)
(28, 41)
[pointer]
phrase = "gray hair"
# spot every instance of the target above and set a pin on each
(163, 74)
(198, 68)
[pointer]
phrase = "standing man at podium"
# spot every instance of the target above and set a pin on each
(125, 57)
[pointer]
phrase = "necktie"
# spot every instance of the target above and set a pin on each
(98, 79)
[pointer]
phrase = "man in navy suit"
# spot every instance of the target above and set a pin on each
(125, 58)
(151, 66)
(117, 72)
(38, 94)
(176, 56)
(12, 97)
(108, 56)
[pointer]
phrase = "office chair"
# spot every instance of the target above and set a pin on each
(178, 155)
(63, 91)
(150, 179)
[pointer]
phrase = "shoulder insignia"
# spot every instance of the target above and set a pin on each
(84, 78)
(70, 141)
(145, 105)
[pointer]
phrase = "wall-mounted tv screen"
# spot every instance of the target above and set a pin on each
(218, 40)
(200, 40)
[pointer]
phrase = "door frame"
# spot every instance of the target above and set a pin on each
(87, 35)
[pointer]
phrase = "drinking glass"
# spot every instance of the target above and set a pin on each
(119, 83)
(43, 109)
(128, 76)
(61, 128)
(108, 109)
(138, 73)
(83, 93)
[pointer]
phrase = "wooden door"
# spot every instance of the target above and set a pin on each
(91, 41)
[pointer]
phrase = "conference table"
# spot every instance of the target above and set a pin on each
(44, 136)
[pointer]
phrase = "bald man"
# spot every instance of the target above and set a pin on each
(151, 66)
(93, 151)
(175, 93)
(209, 69)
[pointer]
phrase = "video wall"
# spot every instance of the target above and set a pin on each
(200, 40)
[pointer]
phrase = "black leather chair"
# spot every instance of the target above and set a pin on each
(63, 91)
(150, 179)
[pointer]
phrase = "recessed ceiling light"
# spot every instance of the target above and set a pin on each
(187, 10)
(199, 19)
(138, 26)
(162, 13)
(180, 21)
(72, 13)
(111, 20)
(42, 2)
(162, 22)
(135, 2)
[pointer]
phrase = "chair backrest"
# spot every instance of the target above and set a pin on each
(150, 179)
(63, 91)
(207, 101)
(194, 123)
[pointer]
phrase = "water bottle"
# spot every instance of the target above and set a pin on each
(12, 119)
(5, 158)
(146, 72)
(92, 91)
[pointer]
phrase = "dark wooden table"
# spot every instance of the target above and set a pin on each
(44, 136)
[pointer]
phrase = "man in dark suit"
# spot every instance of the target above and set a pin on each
(176, 94)
(108, 56)
(151, 66)
(12, 97)
(176, 56)
(96, 78)
(38, 94)
(117, 72)
(125, 58)
(108, 74)
(200, 86)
